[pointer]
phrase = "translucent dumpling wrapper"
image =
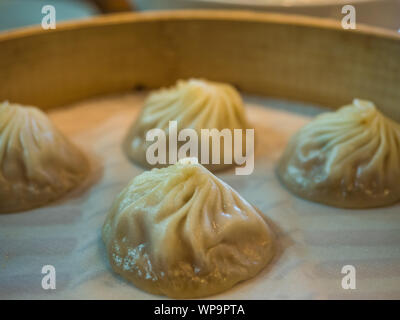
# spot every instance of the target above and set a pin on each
(348, 158)
(38, 164)
(182, 232)
(193, 104)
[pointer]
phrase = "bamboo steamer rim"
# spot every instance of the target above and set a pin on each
(223, 15)
(283, 56)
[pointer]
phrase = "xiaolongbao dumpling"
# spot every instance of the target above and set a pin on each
(182, 232)
(348, 158)
(194, 104)
(37, 163)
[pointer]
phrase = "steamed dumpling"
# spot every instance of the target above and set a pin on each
(195, 104)
(182, 232)
(37, 163)
(348, 158)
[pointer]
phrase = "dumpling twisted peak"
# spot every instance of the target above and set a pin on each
(37, 163)
(182, 232)
(348, 158)
(195, 104)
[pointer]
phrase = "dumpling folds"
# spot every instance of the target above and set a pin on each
(194, 104)
(182, 232)
(348, 158)
(37, 163)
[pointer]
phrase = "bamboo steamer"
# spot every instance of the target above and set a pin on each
(293, 57)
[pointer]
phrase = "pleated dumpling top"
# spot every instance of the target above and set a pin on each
(182, 232)
(348, 158)
(195, 104)
(38, 164)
